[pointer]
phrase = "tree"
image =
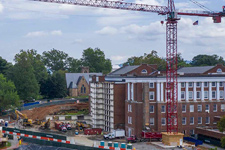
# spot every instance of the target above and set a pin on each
(181, 62)
(4, 66)
(74, 65)
(151, 58)
(55, 85)
(8, 95)
(55, 60)
(207, 60)
(95, 59)
(23, 76)
(221, 124)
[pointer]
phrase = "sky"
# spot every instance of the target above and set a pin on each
(25, 24)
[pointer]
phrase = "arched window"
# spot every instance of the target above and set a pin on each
(219, 70)
(144, 71)
(82, 89)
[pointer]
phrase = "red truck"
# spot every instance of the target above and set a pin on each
(60, 126)
(145, 136)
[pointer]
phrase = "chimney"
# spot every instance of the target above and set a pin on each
(145, 105)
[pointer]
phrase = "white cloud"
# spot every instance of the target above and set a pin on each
(107, 31)
(56, 32)
(43, 33)
(119, 59)
(1, 7)
(78, 41)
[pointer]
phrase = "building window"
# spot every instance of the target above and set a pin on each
(192, 121)
(151, 109)
(213, 84)
(198, 84)
(222, 107)
(151, 95)
(151, 85)
(190, 94)
(199, 120)
(163, 109)
(129, 108)
(198, 94)
(214, 107)
(192, 132)
(184, 121)
(207, 108)
(213, 94)
(163, 120)
(183, 108)
(219, 70)
(183, 84)
(83, 89)
(207, 120)
(129, 120)
(190, 84)
(221, 84)
(182, 94)
(152, 121)
(199, 108)
(192, 107)
(206, 94)
(144, 71)
(221, 94)
(205, 84)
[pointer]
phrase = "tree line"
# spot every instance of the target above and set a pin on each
(36, 76)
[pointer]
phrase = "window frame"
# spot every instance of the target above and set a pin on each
(214, 107)
(221, 84)
(208, 107)
(206, 83)
(164, 109)
(144, 71)
(206, 94)
(214, 85)
(151, 93)
(193, 108)
(214, 94)
(190, 84)
(162, 121)
(185, 121)
(182, 85)
(190, 95)
(152, 109)
(192, 123)
(183, 98)
(151, 86)
(153, 121)
(199, 107)
(206, 120)
(184, 111)
(198, 85)
(221, 95)
(197, 94)
(201, 120)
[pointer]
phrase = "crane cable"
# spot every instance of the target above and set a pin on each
(200, 5)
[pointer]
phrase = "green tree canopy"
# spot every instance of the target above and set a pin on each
(55, 60)
(95, 59)
(221, 124)
(23, 76)
(4, 66)
(74, 65)
(8, 94)
(207, 60)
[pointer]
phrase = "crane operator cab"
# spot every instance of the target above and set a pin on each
(224, 9)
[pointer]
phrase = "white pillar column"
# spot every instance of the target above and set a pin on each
(132, 91)
(162, 92)
(158, 92)
(195, 93)
(179, 91)
(202, 91)
(217, 90)
(128, 91)
(210, 91)
(186, 92)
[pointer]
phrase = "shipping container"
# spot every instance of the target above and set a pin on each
(92, 131)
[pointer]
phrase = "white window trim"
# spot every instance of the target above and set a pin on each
(185, 121)
(193, 121)
(164, 109)
(216, 108)
(185, 108)
(184, 95)
(151, 93)
(221, 85)
(189, 84)
(129, 120)
(222, 110)
(199, 84)
(153, 109)
(207, 84)
(189, 94)
(153, 121)
(193, 108)
(208, 107)
(208, 122)
(161, 121)
(214, 85)
(212, 95)
(222, 94)
(206, 95)
(150, 84)
(201, 121)
(199, 94)
(201, 108)
(129, 108)
(183, 84)
(144, 71)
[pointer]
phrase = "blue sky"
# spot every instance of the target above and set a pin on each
(120, 34)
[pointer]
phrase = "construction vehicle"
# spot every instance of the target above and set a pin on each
(45, 125)
(81, 125)
(60, 126)
(25, 121)
(119, 133)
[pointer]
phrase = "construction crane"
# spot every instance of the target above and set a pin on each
(171, 41)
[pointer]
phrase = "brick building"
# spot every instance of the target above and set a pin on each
(134, 96)
(78, 83)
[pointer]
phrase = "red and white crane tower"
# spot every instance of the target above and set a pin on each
(171, 41)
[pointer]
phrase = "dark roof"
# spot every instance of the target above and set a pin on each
(72, 79)
(123, 70)
(194, 70)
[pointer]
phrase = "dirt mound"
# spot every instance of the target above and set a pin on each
(41, 112)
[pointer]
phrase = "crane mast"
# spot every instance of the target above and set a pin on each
(171, 42)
